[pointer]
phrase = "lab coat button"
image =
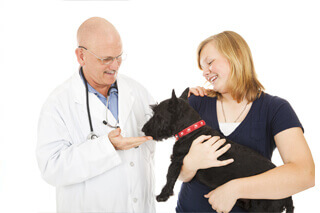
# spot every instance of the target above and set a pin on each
(131, 164)
(135, 199)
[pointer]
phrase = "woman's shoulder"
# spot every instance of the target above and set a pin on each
(272, 100)
(199, 98)
(194, 98)
(198, 102)
(275, 107)
(280, 113)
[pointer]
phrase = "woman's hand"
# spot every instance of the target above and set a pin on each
(223, 198)
(197, 91)
(205, 155)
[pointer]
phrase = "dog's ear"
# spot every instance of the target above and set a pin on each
(173, 96)
(173, 101)
(185, 93)
(175, 108)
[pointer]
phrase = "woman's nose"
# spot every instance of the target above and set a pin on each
(206, 72)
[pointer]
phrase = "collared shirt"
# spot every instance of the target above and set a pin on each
(113, 97)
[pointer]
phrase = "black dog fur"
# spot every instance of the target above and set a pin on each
(172, 116)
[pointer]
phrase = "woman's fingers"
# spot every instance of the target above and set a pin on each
(219, 143)
(193, 91)
(205, 155)
(201, 91)
(225, 162)
(213, 140)
(201, 138)
(197, 91)
(209, 194)
(223, 150)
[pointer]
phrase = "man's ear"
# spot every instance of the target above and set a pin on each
(185, 93)
(80, 56)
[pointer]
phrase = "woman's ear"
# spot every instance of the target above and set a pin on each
(80, 56)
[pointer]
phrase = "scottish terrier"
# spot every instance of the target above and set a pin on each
(172, 116)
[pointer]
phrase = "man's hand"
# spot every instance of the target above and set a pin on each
(121, 143)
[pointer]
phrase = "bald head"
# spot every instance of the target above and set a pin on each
(96, 33)
(101, 41)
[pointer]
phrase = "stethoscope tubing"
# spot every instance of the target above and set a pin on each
(87, 100)
(92, 135)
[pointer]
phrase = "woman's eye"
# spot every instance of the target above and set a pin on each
(210, 62)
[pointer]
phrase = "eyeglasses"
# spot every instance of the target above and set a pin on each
(109, 59)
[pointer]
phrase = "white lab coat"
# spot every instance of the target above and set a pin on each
(90, 175)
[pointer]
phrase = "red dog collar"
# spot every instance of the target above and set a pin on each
(190, 129)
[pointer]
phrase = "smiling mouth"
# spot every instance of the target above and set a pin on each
(213, 78)
(110, 72)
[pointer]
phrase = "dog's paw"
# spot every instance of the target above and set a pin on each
(162, 198)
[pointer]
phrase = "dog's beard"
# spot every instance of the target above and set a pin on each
(157, 130)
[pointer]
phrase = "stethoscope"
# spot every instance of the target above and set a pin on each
(92, 135)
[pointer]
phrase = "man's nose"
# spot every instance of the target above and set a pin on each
(115, 64)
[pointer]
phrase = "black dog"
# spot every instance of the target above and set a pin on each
(174, 115)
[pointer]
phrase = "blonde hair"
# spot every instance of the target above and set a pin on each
(243, 81)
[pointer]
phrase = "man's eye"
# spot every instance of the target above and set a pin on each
(107, 60)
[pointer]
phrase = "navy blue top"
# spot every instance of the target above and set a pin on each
(268, 116)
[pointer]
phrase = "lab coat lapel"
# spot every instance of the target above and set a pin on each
(126, 100)
(79, 89)
(97, 108)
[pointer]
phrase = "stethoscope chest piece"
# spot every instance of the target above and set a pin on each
(92, 136)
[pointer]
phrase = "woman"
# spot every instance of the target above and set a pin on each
(240, 109)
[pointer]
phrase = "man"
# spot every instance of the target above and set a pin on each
(112, 172)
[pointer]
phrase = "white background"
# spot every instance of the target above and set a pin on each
(38, 39)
